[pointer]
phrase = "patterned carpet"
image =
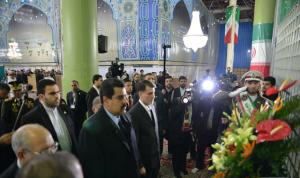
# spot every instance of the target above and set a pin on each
(167, 172)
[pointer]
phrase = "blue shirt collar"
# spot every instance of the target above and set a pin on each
(114, 118)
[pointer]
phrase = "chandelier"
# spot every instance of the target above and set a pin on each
(195, 38)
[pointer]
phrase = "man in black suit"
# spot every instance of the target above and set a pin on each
(77, 104)
(145, 123)
(27, 142)
(107, 142)
(179, 128)
(160, 106)
(52, 116)
(128, 88)
(93, 93)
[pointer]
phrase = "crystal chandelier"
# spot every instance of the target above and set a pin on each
(195, 38)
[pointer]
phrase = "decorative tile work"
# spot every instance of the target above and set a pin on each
(148, 23)
(128, 41)
(50, 7)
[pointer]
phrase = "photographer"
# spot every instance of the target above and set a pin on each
(116, 70)
(206, 120)
(180, 126)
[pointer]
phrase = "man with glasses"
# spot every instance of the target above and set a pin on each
(27, 142)
(52, 116)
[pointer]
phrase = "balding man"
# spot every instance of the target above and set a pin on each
(58, 165)
(28, 141)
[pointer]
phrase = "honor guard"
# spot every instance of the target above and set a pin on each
(11, 107)
(248, 98)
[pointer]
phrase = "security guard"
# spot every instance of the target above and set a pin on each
(12, 106)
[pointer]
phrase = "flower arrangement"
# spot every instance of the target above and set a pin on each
(258, 145)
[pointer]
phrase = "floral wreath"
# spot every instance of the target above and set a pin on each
(258, 145)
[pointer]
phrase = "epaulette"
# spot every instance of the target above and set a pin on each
(7, 99)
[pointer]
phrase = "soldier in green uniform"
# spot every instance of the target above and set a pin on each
(248, 98)
(12, 106)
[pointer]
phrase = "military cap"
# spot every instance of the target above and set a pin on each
(15, 86)
(252, 75)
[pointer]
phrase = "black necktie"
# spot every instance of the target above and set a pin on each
(152, 118)
(124, 129)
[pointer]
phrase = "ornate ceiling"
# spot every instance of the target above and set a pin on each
(217, 7)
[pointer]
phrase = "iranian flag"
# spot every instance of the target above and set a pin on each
(232, 18)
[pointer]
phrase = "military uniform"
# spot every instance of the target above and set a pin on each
(9, 112)
(11, 107)
(244, 102)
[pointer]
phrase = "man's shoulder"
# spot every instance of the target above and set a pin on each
(91, 90)
(33, 113)
(95, 124)
(11, 171)
(81, 92)
(135, 108)
(8, 100)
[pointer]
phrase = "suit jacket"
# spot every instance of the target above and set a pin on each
(80, 104)
(177, 111)
(161, 110)
(105, 151)
(39, 116)
(89, 100)
(10, 172)
(146, 137)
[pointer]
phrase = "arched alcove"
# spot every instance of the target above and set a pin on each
(29, 28)
(179, 26)
(107, 26)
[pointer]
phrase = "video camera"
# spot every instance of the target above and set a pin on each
(116, 69)
(188, 95)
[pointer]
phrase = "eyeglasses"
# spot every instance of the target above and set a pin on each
(50, 150)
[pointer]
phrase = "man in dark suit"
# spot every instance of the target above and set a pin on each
(52, 116)
(179, 128)
(77, 104)
(93, 93)
(145, 123)
(128, 88)
(135, 80)
(27, 142)
(107, 143)
(160, 106)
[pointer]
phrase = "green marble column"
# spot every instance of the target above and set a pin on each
(79, 39)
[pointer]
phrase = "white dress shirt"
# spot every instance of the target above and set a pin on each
(60, 128)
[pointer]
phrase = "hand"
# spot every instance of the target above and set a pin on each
(236, 92)
(5, 139)
(143, 171)
(163, 91)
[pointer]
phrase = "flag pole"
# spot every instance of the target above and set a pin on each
(230, 46)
